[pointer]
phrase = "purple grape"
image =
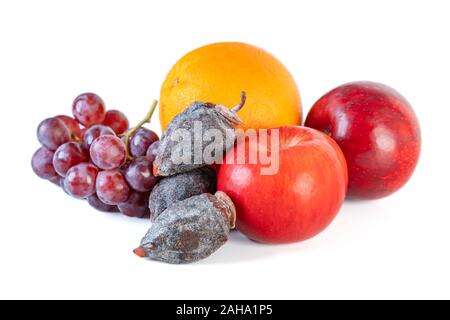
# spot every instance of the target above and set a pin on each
(42, 163)
(68, 155)
(139, 175)
(153, 150)
(136, 205)
(52, 133)
(93, 133)
(96, 203)
(56, 180)
(72, 125)
(117, 121)
(108, 152)
(80, 180)
(141, 140)
(111, 187)
(88, 109)
(63, 187)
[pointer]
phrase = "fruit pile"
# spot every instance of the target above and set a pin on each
(95, 156)
(360, 140)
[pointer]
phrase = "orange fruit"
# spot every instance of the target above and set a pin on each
(218, 73)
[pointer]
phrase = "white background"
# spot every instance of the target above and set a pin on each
(52, 246)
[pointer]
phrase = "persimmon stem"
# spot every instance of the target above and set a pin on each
(241, 103)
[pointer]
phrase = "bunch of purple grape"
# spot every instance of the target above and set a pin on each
(95, 156)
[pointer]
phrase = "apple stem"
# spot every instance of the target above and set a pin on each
(327, 132)
(130, 132)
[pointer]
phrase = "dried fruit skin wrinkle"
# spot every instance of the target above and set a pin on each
(180, 187)
(210, 116)
(189, 230)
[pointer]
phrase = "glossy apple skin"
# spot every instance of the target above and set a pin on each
(378, 132)
(297, 202)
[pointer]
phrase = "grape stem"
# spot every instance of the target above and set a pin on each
(127, 135)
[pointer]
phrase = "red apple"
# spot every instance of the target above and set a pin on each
(298, 200)
(378, 132)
